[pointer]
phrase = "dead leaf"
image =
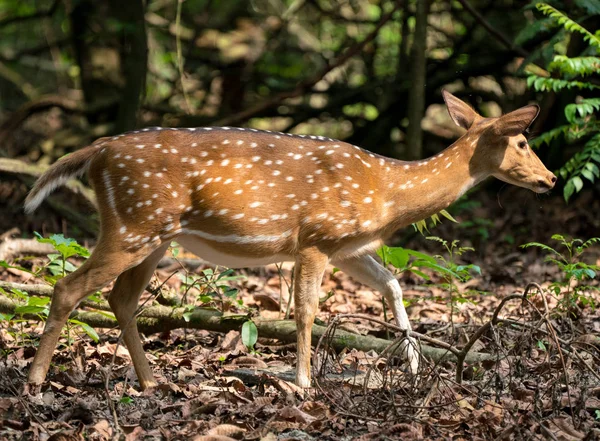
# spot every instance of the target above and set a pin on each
(227, 430)
(296, 415)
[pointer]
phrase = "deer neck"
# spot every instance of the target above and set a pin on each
(420, 189)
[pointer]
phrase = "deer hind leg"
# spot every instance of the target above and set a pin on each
(310, 265)
(366, 270)
(108, 261)
(123, 300)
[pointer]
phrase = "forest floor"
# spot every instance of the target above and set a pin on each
(543, 384)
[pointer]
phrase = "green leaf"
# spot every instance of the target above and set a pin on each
(438, 268)
(66, 247)
(6, 316)
(38, 301)
(421, 256)
(29, 309)
(448, 216)
(541, 345)
(420, 273)
(91, 332)
(593, 168)
(4, 264)
(249, 334)
(588, 175)
(568, 190)
(396, 256)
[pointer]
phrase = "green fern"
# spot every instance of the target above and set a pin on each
(549, 136)
(582, 165)
(577, 66)
(583, 124)
(421, 226)
(568, 24)
(583, 109)
(542, 84)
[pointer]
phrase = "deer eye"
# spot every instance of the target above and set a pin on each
(522, 144)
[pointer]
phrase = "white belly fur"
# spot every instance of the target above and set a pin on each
(205, 251)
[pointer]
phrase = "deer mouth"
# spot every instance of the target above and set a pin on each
(543, 186)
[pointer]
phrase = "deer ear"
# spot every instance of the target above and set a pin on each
(517, 121)
(460, 112)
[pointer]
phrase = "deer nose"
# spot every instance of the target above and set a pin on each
(549, 181)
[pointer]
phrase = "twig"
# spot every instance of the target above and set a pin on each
(424, 337)
(482, 330)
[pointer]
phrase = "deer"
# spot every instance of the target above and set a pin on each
(242, 197)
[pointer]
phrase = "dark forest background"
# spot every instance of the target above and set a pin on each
(369, 72)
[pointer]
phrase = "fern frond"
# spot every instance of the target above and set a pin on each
(421, 225)
(543, 246)
(570, 25)
(448, 216)
(542, 84)
(583, 164)
(549, 136)
(584, 108)
(575, 65)
(590, 242)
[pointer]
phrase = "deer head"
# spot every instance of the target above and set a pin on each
(500, 146)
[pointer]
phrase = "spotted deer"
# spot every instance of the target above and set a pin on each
(243, 197)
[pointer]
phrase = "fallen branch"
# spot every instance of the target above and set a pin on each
(40, 290)
(160, 318)
(10, 248)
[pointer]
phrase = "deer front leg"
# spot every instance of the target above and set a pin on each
(365, 269)
(310, 265)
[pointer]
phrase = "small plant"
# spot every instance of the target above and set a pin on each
(58, 267)
(212, 288)
(575, 272)
(249, 335)
(26, 305)
(455, 272)
(403, 259)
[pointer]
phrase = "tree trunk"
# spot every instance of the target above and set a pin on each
(416, 98)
